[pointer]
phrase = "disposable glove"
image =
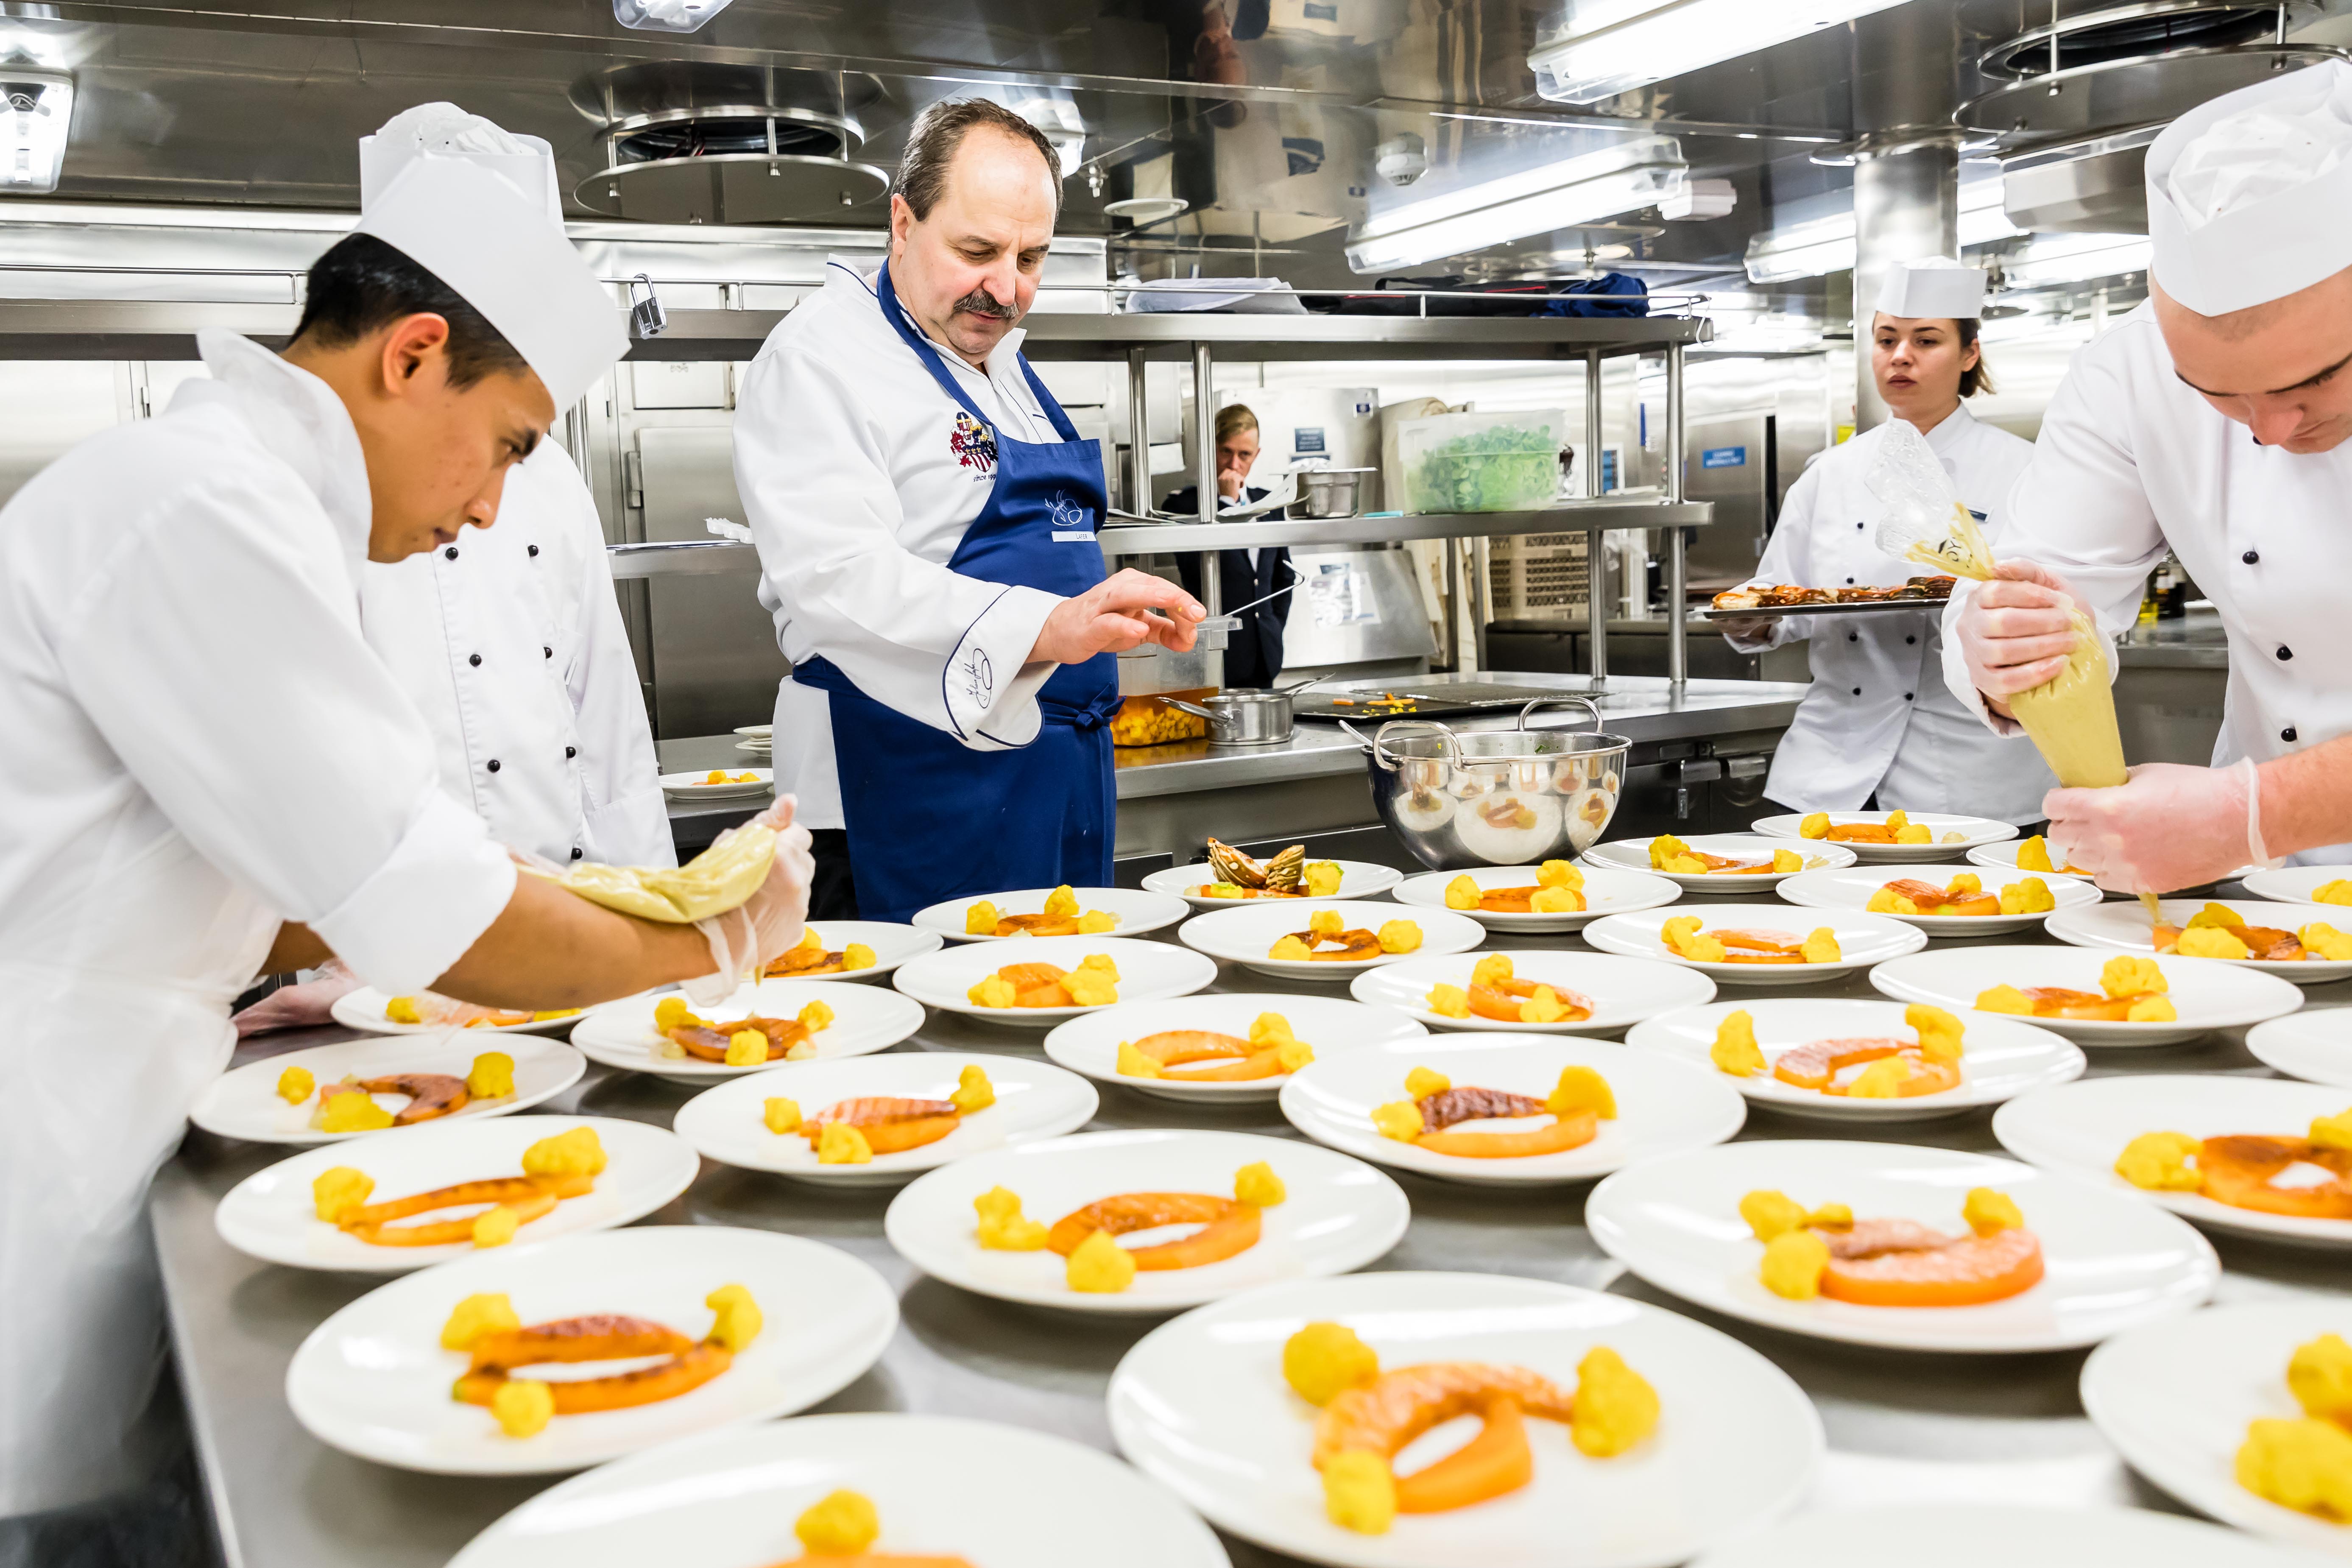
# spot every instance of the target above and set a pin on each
(2013, 631)
(752, 936)
(301, 1006)
(2167, 827)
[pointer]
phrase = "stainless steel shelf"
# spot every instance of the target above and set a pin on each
(681, 558)
(1574, 516)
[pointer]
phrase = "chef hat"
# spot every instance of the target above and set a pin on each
(479, 209)
(1933, 286)
(2250, 197)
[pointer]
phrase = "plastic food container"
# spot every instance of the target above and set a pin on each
(1481, 462)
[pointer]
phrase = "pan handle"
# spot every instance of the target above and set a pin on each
(1585, 702)
(1389, 764)
(1194, 708)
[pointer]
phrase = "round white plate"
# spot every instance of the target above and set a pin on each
(1358, 880)
(1606, 892)
(1634, 855)
(1243, 934)
(692, 785)
(1970, 1535)
(941, 1485)
(1090, 1045)
(1973, 831)
(1623, 991)
(2175, 1398)
(893, 941)
(759, 746)
(1853, 888)
(1148, 971)
(2112, 1263)
(2207, 993)
(373, 1380)
(1341, 1215)
(1664, 1106)
(2001, 855)
(756, 731)
(271, 1215)
(2078, 1129)
(1200, 1404)
(2315, 1046)
(244, 1102)
(1864, 939)
(1033, 1101)
(1137, 912)
(364, 1009)
(866, 1019)
(2002, 1057)
(2123, 927)
(2295, 884)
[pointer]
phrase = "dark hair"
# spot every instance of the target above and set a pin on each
(363, 284)
(938, 131)
(1977, 377)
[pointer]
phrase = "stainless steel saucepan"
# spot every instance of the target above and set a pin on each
(1247, 718)
(1505, 797)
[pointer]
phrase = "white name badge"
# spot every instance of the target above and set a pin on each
(1073, 536)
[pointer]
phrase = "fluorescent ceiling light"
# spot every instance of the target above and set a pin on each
(666, 15)
(2076, 258)
(35, 112)
(1616, 45)
(1826, 244)
(1633, 175)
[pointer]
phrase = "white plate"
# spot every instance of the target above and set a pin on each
(866, 1019)
(893, 941)
(2207, 993)
(1853, 888)
(2315, 1046)
(940, 1484)
(244, 1103)
(1090, 1045)
(1358, 880)
(1973, 831)
(1341, 1215)
(2001, 855)
(1864, 939)
(1201, 1404)
(1664, 1106)
(2175, 1398)
(271, 1215)
(2123, 926)
(762, 747)
(2078, 1129)
(1033, 1101)
(692, 785)
(1606, 892)
(756, 731)
(1137, 912)
(1148, 971)
(1971, 1535)
(1245, 934)
(2002, 1057)
(364, 1009)
(373, 1380)
(2295, 884)
(1634, 855)
(2112, 1263)
(1623, 991)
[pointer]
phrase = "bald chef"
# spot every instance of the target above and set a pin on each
(2212, 421)
(210, 772)
(925, 514)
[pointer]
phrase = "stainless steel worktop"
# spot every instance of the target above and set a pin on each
(2195, 641)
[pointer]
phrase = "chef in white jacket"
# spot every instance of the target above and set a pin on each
(2213, 422)
(1877, 724)
(209, 771)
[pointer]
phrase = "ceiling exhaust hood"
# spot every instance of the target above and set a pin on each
(1635, 174)
(1611, 47)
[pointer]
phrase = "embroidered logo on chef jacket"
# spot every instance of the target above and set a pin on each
(973, 444)
(1073, 523)
(978, 678)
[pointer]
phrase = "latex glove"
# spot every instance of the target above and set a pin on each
(1747, 632)
(301, 1006)
(2166, 828)
(755, 933)
(2014, 630)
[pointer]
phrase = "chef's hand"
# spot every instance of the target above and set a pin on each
(2166, 828)
(1747, 629)
(2015, 632)
(299, 1007)
(1109, 618)
(755, 933)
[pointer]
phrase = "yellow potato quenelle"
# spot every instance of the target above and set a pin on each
(719, 878)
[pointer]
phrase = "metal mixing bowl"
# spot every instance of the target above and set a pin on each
(1505, 797)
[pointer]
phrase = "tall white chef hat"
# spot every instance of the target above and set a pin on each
(2250, 197)
(479, 209)
(1933, 286)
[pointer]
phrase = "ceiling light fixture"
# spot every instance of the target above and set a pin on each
(1636, 173)
(1616, 45)
(666, 15)
(2052, 259)
(1826, 244)
(35, 113)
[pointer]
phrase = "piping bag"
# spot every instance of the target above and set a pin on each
(2071, 717)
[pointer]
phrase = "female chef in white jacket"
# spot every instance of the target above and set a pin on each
(1878, 721)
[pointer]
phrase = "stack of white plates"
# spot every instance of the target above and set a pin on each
(760, 739)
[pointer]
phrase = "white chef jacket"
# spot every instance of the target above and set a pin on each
(2131, 463)
(200, 744)
(1877, 719)
(510, 642)
(860, 475)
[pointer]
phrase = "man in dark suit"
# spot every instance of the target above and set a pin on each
(1254, 651)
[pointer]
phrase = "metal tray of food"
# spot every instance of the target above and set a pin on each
(1853, 607)
(1405, 699)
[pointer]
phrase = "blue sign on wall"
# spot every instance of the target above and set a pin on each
(1724, 457)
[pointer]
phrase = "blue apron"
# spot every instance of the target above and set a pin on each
(929, 818)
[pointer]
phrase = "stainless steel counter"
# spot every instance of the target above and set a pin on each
(1903, 1428)
(2195, 641)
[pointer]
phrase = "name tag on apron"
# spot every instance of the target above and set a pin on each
(1072, 536)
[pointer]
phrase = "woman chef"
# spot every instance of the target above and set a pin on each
(203, 748)
(925, 514)
(1878, 722)
(2212, 421)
